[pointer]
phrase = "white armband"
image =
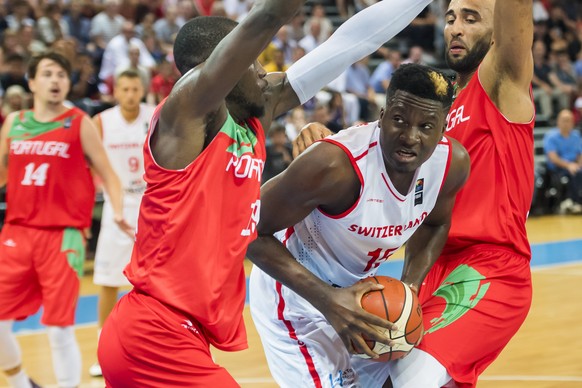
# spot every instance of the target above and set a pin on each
(359, 36)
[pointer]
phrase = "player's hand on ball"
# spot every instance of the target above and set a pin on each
(309, 134)
(124, 226)
(352, 322)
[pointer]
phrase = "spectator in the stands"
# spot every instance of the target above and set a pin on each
(563, 77)
(358, 84)
(285, 43)
(544, 91)
(52, 26)
(279, 152)
(166, 29)
(563, 149)
(117, 52)
(380, 79)
(162, 83)
(15, 98)
(106, 24)
(20, 15)
(325, 24)
(312, 37)
(78, 24)
(415, 55)
(15, 73)
(277, 62)
(132, 63)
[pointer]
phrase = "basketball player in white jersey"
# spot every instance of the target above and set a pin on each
(123, 130)
(348, 204)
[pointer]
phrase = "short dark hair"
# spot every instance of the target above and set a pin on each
(53, 56)
(197, 39)
(422, 81)
(129, 73)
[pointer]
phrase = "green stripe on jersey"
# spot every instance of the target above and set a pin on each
(29, 127)
(73, 246)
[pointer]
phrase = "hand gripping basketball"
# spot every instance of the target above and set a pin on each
(396, 303)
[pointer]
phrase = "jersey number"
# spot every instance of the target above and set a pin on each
(255, 215)
(378, 258)
(133, 164)
(35, 175)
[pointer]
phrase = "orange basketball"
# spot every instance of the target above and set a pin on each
(398, 304)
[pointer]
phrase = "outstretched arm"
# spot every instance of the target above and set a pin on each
(203, 90)
(507, 70)
(359, 36)
(323, 177)
(425, 246)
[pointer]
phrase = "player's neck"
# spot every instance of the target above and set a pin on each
(462, 81)
(45, 112)
(129, 115)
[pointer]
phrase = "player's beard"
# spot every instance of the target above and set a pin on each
(471, 61)
(236, 98)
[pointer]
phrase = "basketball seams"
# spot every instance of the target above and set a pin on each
(384, 303)
(404, 304)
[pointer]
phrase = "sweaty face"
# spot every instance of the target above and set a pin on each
(468, 33)
(129, 92)
(411, 129)
(248, 95)
(51, 83)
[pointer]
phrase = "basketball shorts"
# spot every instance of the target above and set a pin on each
(40, 267)
(114, 247)
(145, 344)
(473, 303)
(301, 347)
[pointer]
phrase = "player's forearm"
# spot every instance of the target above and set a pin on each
(271, 256)
(422, 251)
(114, 190)
(358, 37)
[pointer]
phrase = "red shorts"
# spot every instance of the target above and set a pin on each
(473, 303)
(36, 269)
(145, 344)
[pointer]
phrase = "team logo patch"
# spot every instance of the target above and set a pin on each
(418, 192)
(462, 290)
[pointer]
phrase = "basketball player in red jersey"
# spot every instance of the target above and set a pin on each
(478, 293)
(203, 159)
(44, 155)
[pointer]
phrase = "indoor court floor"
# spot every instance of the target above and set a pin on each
(546, 352)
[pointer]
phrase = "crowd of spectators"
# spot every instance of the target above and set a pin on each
(102, 38)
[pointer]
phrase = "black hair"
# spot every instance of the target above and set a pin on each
(197, 39)
(61, 60)
(422, 81)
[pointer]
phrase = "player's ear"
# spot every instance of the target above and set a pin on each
(382, 111)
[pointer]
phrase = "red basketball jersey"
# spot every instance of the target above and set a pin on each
(49, 182)
(194, 228)
(492, 207)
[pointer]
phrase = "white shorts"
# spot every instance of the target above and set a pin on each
(113, 246)
(302, 348)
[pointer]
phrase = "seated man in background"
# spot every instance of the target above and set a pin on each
(563, 149)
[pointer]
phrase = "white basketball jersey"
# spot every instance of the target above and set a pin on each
(124, 142)
(345, 248)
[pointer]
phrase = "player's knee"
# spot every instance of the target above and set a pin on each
(61, 337)
(418, 369)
